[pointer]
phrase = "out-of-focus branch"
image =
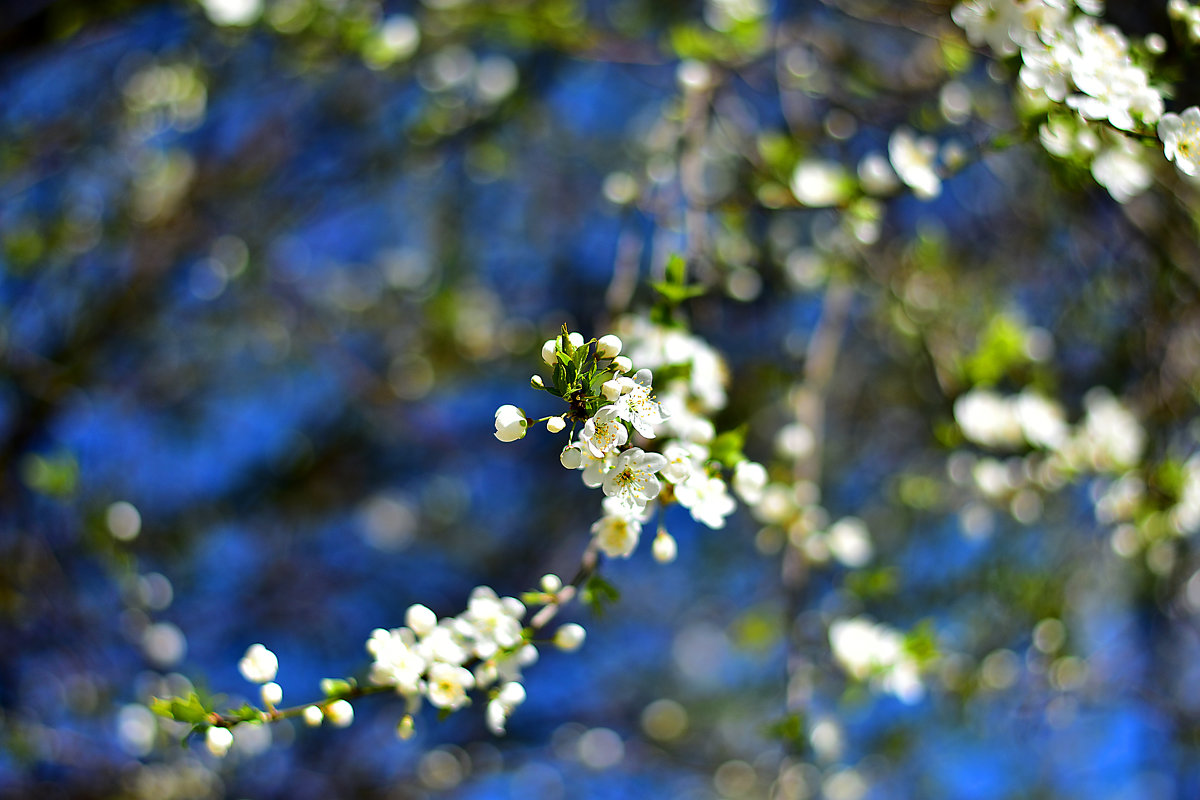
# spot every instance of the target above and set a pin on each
(809, 406)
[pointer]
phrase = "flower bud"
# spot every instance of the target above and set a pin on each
(272, 694)
(569, 637)
(555, 424)
(611, 390)
(259, 665)
(550, 351)
(571, 457)
(420, 619)
(510, 423)
(608, 346)
(218, 741)
(551, 583)
(405, 729)
(664, 547)
(576, 339)
(622, 364)
(313, 716)
(340, 713)
(537, 382)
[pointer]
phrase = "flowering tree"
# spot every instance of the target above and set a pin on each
(879, 320)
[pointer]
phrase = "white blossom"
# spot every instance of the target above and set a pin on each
(258, 665)
(495, 620)
(603, 433)
(608, 346)
(397, 660)
(617, 535)
(707, 498)
(913, 159)
(420, 619)
(339, 713)
(272, 693)
(869, 650)
(664, 547)
(448, 685)
(1180, 134)
(818, 184)
(501, 707)
(510, 423)
(218, 740)
(632, 478)
(569, 637)
(638, 407)
(749, 480)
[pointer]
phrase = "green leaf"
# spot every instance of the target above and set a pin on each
(789, 729)
(598, 593)
(727, 448)
(182, 709)
(676, 269)
(674, 293)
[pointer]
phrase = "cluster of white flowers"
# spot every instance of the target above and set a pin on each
(689, 399)
(872, 651)
(1108, 439)
(1107, 442)
(1073, 59)
(443, 660)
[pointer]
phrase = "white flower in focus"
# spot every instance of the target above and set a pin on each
(819, 184)
(340, 713)
(749, 480)
(632, 478)
(259, 665)
(510, 423)
(638, 406)
(617, 535)
(1180, 134)
(218, 741)
(611, 390)
(603, 433)
(608, 346)
(555, 424)
(550, 351)
(707, 498)
(913, 159)
(448, 685)
(569, 637)
(571, 457)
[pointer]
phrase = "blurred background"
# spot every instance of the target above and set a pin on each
(267, 268)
